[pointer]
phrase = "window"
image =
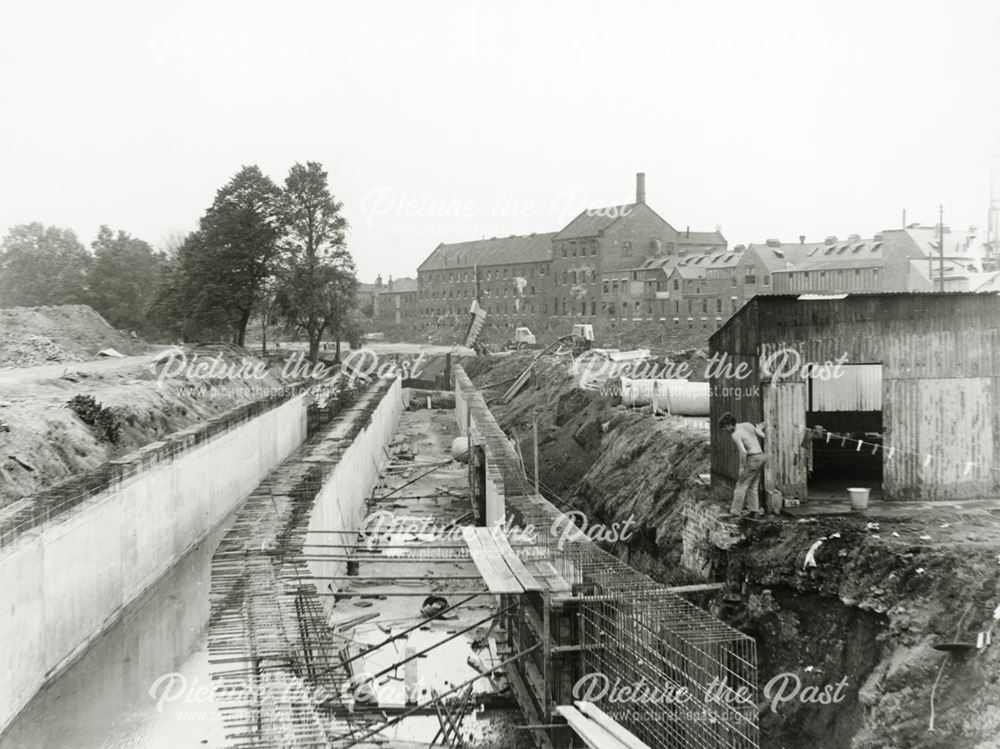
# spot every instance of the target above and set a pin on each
(751, 275)
(593, 247)
(767, 280)
(677, 284)
(626, 248)
(572, 249)
(593, 309)
(718, 304)
(564, 249)
(606, 287)
(573, 276)
(489, 275)
(614, 286)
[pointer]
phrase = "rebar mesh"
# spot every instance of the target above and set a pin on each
(694, 678)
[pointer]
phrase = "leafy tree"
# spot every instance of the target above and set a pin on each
(185, 303)
(123, 279)
(223, 267)
(317, 282)
(42, 265)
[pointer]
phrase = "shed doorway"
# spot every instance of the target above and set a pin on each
(842, 411)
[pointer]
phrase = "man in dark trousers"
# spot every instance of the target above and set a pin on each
(748, 438)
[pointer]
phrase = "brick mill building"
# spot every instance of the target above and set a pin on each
(626, 264)
(531, 279)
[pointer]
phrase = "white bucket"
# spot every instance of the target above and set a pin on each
(859, 498)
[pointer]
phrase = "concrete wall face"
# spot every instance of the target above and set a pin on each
(503, 472)
(340, 504)
(66, 581)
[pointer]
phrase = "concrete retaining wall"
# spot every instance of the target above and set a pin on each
(340, 504)
(64, 582)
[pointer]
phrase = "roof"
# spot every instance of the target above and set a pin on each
(991, 282)
(496, 251)
(851, 253)
(752, 310)
(593, 221)
(701, 237)
(401, 285)
(697, 266)
(964, 244)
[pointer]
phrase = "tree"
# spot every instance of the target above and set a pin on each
(317, 282)
(223, 267)
(42, 265)
(123, 279)
(185, 299)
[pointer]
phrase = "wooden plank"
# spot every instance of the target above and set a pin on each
(527, 580)
(611, 725)
(594, 735)
(498, 578)
(495, 557)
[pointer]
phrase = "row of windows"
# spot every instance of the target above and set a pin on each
(498, 274)
(573, 277)
(468, 293)
(569, 249)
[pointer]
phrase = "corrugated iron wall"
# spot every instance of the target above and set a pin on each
(784, 412)
(858, 388)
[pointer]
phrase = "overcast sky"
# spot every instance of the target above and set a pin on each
(451, 121)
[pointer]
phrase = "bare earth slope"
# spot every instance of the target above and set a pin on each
(74, 332)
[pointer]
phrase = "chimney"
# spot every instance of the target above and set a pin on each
(773, 243)
(640, 187)
(802, 238)
(687, 233)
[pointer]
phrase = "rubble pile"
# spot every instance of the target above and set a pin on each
(30, 350)
(32, 336)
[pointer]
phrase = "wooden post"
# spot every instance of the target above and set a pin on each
(534, 436)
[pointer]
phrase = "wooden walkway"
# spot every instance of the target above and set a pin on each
(502, 570)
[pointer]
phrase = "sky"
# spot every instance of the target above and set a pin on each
(450, 121)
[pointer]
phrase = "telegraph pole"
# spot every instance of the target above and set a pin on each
(941, 245)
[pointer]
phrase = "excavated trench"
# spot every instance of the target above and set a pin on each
(844, 649)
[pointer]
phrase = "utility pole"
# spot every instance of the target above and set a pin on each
(941, 245)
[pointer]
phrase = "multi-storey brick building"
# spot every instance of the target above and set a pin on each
(508, 275)
(396, 302)
(528, 280)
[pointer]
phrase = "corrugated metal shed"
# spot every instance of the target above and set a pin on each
(940, 381)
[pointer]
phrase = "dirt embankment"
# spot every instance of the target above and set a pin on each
(30, 336)
(870, 610)
(44, 442)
